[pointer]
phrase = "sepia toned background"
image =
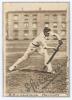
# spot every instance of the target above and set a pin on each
(28, 19)
(22, 23)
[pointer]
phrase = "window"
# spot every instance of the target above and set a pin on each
(34, 17)
(26, 24)
(47, 16)
(26, 19)
(55, 18)
(34, 33)
(15, 34)
(15, 25)
(15, 17)
(26, 32)
(34, 25)
(63, 26)
(63, 17)
(15, 30)
(55, 25)
(26, 15)
(55, 31)
(46, 24)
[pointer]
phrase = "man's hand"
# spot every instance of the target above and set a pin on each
(60, 42)
(56, 49)
(45, 47)
(49, 47)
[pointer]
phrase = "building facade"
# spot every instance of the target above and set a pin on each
(22, 25)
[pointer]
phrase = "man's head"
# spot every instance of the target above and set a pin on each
(46, 31)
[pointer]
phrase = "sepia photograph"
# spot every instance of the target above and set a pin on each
(36, 49)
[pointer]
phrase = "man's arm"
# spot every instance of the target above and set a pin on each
(45, 46)
(58, 37)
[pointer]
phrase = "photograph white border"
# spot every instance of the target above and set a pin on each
(1, 52)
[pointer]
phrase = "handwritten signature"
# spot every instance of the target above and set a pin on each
(43, 82)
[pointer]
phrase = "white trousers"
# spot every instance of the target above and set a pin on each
(30, 51)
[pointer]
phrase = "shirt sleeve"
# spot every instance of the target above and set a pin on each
(57, 36)
(43, 41)
(45, 44)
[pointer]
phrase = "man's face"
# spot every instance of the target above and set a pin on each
(46, 34)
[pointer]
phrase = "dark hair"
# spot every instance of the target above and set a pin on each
(46, 29)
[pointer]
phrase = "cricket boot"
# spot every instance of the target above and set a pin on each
(49, 70)
(12, 68)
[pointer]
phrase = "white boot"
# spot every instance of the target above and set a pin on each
(12, 68)
(49, 68)
(23, 58)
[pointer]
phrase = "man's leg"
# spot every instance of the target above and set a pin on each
(23, 58)
(46, 58)
(49, 66)
(26, 55)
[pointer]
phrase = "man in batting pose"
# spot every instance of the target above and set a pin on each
(39, 44)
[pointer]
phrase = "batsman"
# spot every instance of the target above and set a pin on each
(39, 44)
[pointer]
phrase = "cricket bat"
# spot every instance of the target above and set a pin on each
(56, 50)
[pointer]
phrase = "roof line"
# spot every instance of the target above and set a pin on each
(37, 11)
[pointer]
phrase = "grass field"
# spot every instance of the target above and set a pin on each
(21, 81)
